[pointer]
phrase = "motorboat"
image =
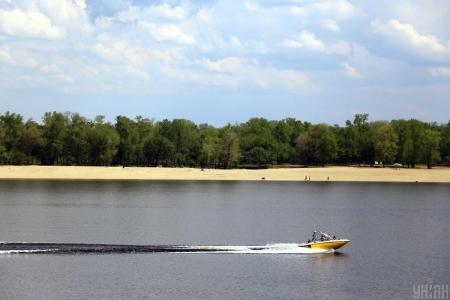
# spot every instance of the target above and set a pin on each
(323, 240)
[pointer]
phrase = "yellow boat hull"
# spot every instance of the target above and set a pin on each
(334, 244)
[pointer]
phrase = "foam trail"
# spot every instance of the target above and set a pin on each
(266, 249)
(68, 248)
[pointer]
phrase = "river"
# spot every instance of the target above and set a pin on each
(399, 239)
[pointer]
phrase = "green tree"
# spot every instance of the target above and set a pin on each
(129, 140)
(102, 143)
(74, 140)
(348, 147)
(54, 131)
(413, 149)
(431, 150)
(257, 144)
(76, 149)
(12, 131)
(185, 137)
(3, 154)
(32, 143)
(385, 142)
(364, 139)
(228, 147)
(445, 142)
(145, 128)
(317, 145)
(285, 133)
(403, 139)
(209, 140)
(158, 149)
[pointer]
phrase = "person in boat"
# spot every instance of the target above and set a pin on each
(321, 236)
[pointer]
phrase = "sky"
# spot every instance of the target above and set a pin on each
(226, 61)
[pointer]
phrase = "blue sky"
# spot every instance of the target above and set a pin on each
(226, 61)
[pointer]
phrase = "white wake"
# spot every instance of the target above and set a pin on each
(266, 249)
(62, 248)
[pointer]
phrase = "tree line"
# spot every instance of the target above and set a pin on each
(71, 139)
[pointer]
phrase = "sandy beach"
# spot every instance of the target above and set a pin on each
(294, 174)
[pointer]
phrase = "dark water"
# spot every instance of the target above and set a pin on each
(399, 232)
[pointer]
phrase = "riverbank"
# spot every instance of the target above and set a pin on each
(357, 174)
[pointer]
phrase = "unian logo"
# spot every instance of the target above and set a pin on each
(430, 291)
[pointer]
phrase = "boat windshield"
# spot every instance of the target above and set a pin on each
(321, 236)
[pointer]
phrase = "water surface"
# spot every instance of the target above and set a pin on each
(399, 236)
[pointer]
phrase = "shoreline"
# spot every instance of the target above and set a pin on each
(317, 174)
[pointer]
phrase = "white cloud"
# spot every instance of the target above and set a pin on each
(250, 6)
(293, 79)
(136, 72)
(341, 48)
(149, 13)
(234, 72)
(350, 71)
(228, 64)
(330, 25)
(405, 34)
(309, 41)
(196, 45)
(305, 40)
(171, 12)
(18, 57)
(29, 24)
(5, 55)
(340, 9)
(68, 13)
(106, 52)
(204, 15)
(50, 69)
(440, 71)
(168, 32)
(134, 59)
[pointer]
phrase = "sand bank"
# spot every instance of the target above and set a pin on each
(297, 174)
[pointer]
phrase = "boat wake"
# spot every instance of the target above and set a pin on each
(67, 248)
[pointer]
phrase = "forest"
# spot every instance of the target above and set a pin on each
(71, 139)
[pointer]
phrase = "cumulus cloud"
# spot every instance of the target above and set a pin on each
(18, 57)
(5, 55)
(350, 71)
(305, 39)
(44, 19)
(250, 73)
(168, 33)
(340, 48)
(250, 6)
(330, 25)
(406, 35)
(29, 24)
(308, 40)
(191, 44)
(340, 9)
(120, 51)
(236, 72)
(152, 12)
(70, 14)
(228, 64)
